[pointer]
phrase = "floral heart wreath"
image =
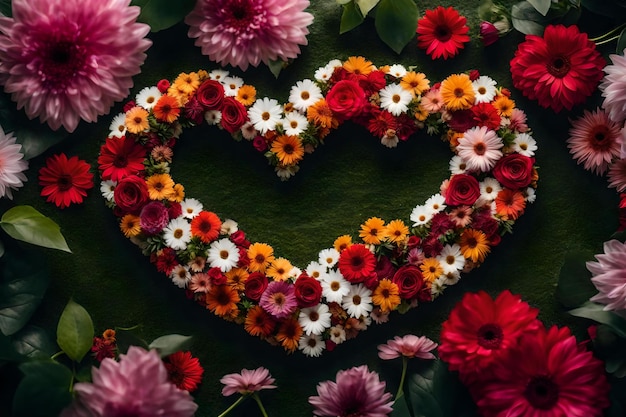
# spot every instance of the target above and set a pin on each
(393, 266)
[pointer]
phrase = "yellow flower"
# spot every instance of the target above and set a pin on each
(236, 278)
(137, 120)
(342, 242)
(279, 269)
(373, 231)
(246, 95)
(457, 92)
(160, 186)
(504, 105)
(358, 65)
(397, 231)
(415, 82)
(474, 245)
(178, 195)
(130, 225)
(421, 113)
(431, 269)
(187, 82)
(202, 75)
(260, 255)
(386, 295)
(321, 115)
(288, 149)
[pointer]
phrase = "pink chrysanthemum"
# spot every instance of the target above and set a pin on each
(247, 381)
(357, 392)
(595, 141)
(247, 32)
(613, 87)
(66, 60)
(480, 148)
(617, 175)
(137, 385)
(12, 165)
(409, 346)
(547, 374)
(279, 299)
(609, 276)
(559, 70)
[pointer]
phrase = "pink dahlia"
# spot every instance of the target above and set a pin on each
(247, 32)
(247, 381)
(409, 346)
(66, 60)
(559, 70)
(137, 385)
(547, 374)
(357, 392)
(12, 165)
(613, 87)
(609, 276)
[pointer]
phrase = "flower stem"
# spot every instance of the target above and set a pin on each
(607, 40)
(56, 355)
(607, 34)
(235, 404)
(258, 401)
(400, 388)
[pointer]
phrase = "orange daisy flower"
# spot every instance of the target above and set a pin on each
(397, 231)
(187, 82)
(160, 186)
(510, 204)
(386, 295)
(342, 242)
(279, 269)
(474, 245)
(130, 225)
(167, 109)
(289, 334)
(222, 301)
(246, 95)
(137, 120)
(431, 269)
(373, 231)
(260, 255)
(358, 65)
(321, 115)
(178, 194)
(504, 105)
(206, 225)
(415, 82)
(457, 92)
(288, 149)
(236, 278)
(259, 322)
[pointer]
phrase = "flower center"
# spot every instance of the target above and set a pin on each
(178, 233)
(288, 149)
(335, 286)
(396, 98)
(490, 336)
(265, 115)
(559, 67)
(356, 300)
(480, 148)
(60, 61)
(64, 182)
(598, 138)
(482, 90)
(357, 262)
(450, 260)
(542, 393)
(442, 33)
(224, 254)
(120, 161)
(459, 92)
(305, 95)
(279, 299)
(314, 316)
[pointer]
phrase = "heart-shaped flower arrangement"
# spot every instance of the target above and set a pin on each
(395, 265)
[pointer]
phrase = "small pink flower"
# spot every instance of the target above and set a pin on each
(246, 382)
(410, 346)
(488, 33)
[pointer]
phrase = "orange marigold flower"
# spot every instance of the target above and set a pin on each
(474, 245)
(222, 301)
(259, 322)
(288, 149)
(167, 109)
(373, 231)
(246, 95)
(206, 225)
(321, 115)
(260, 255)
(358, 65)
(510, 204)
(137, 120)
(504, 105)
(160, 186)
(342, 242)
(236, 278)
(130, 225)
(386, 295)
(289, 334)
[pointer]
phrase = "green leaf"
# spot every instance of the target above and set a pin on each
(433, 392)
(527, 19)
(27, 224)
(401, 408)
(44, 391)
(621, 42)
(162, 14)
(75, 331)
(36, 138)
(542, 6)
(33, 342)
(126, 338)
(575, 287)
(7, 351)
(350, 18)
(276, 67)
(484, 10)
(366, 5)
(396, 22)
(23, 284)
(597, 313)
(168, 344)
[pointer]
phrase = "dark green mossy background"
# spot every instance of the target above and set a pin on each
(344, 182)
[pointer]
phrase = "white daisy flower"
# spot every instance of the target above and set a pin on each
(218, 75)
(484, 89)
(316, 270)
(264, 114)
(435, 203)
(480, 148)
(397, 70)
(190, 207)
(358, 302)
(294, 123)
(530, 195)
(328, 257)
(177, 233)
(451, 259)
(451, 278)
(334, 63)
(314, 320)
(324, 73)
(180, 276)
(337, 334)
(232, 85)
(525, 145)
(294, 273)
(148, 97)
(248, 131)
(223, 254)
(117, 127)
(284, 173)
(489, 188)
(420, 215)
(107, 188)
(457, 165)
(229, 227)
(438, 286)
(390, 141)
(311, 345)
(335, 287)
(304, 94)
(395, 99)
(213, 117)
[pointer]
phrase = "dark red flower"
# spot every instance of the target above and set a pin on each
(165, 261)
(234, 114)
(560, 69)
(183, 370)
(485, 114)
(489, 33)
(65, 181)
(153, 217)
(409, 280)
(120, 157)
(356, 263)
(463, 190)
(346, 99)
(103, 348)
(380, 122)
(308, 291)
(163, 86)
(461, 120)
(194, 111)
(442, 32)
(514, 171)
(255, 285)
(131, 194)
(210, 94)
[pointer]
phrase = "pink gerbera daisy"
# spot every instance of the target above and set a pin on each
(12, 165)
(66, 60)
(617, 175)
(480, 149)
(247, 32)
(279, 299)
(613, 87)
(410, 346)
(247, 382)
(595, 141)
(609, 276)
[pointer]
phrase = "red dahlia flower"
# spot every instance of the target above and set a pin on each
(183, 370)
(65, 181)
(120, 157)
(442, 32)
(560, 69)
(356, 263)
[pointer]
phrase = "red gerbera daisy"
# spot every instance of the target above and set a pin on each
(485, 114)
(357, 263)
(480, 330)
(120, 157)
(380, 122)
(547, 374)
(442, 32)
(65, 181)
(206, 225)
(183, 370)
(165, 261)
(560, 69)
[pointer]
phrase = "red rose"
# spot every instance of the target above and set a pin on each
(346, 99)
(409, 280)
(374, 82)
(463, 190)
(239, 239)
(210, 94)
(308, 291)
(174, 210)
(514, 171)
(259, 143)
(234, 115)
(153, 217)
(131, 194)
(255, 285)
(216, 276)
